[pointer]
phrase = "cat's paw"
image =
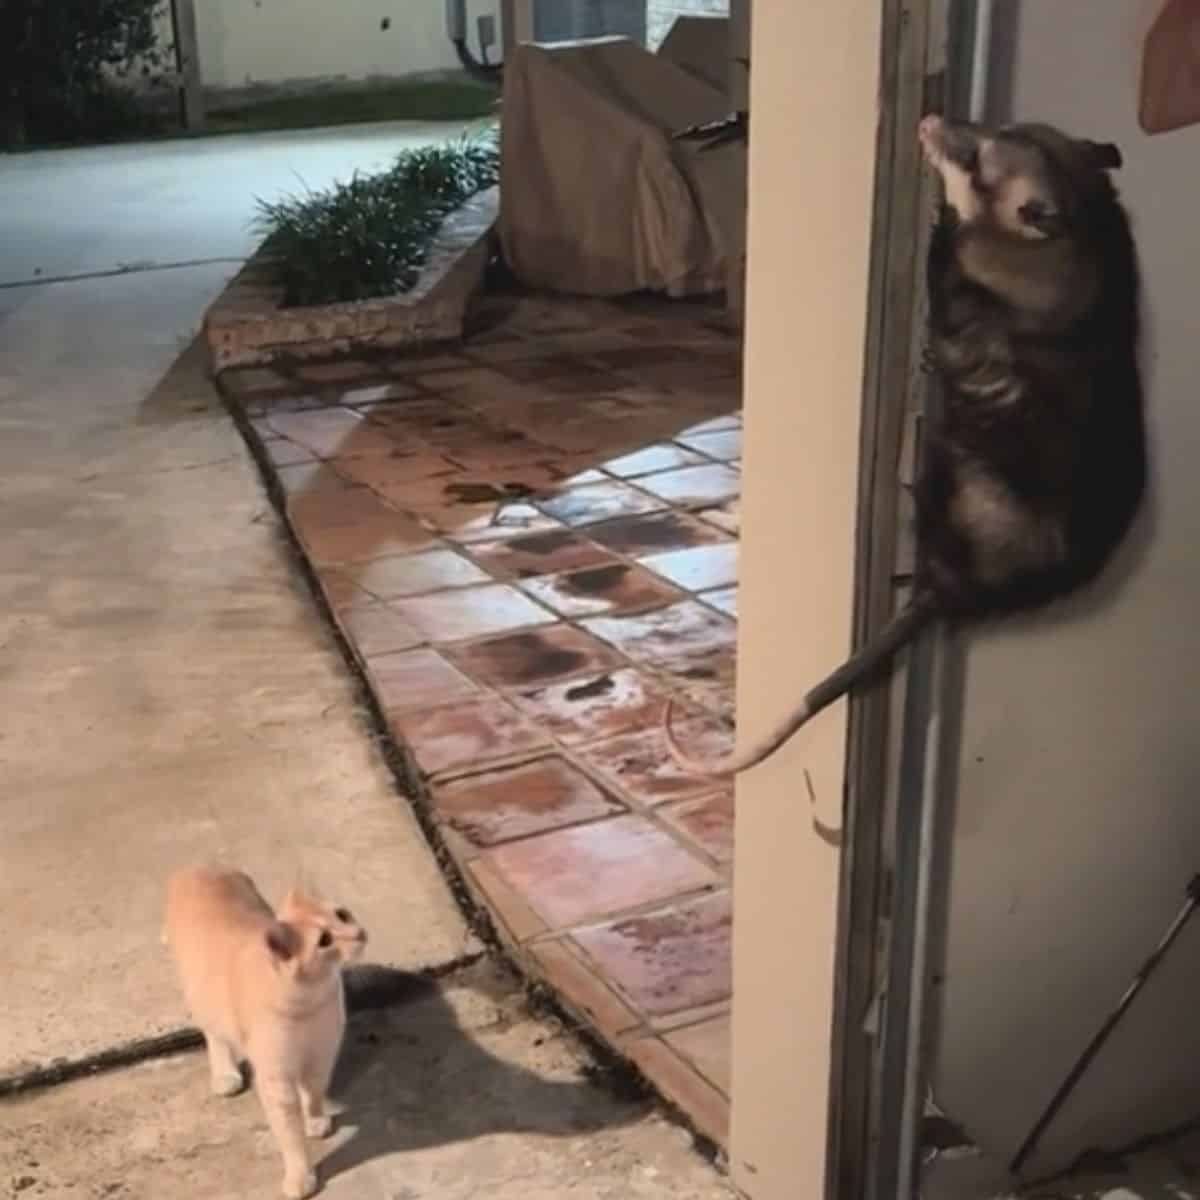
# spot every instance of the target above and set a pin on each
(229, 1083)
(319, 1127)
(296, 1187)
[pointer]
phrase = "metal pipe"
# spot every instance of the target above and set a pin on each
(456, 31)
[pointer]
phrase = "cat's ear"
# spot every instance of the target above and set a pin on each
(283, 941)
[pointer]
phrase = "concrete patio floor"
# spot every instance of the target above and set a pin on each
(172, 695)
(529, 542)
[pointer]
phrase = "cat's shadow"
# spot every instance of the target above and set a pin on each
(422, 1071)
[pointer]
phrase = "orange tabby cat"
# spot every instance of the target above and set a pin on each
(267, 989)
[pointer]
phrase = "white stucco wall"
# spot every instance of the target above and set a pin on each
(1077, 825)
(661, 14)
(275, 41)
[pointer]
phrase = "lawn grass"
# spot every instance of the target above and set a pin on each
(430, 100)
(370, 236)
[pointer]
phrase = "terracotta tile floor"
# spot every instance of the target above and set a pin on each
(529, 542)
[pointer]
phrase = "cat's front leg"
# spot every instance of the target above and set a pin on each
(281, 1103)
(223, 1069)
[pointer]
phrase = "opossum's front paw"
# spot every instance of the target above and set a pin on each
(297, 1187)
(319, 1127)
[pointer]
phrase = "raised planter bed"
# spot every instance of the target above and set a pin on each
(247, 326)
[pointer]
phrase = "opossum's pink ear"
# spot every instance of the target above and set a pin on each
(1103, 156)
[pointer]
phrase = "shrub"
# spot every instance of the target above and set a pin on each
(62, 63)
(370, 236)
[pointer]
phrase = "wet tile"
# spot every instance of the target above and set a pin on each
(375, 629)
(517, 802)
(708, 821)
(341, 592)
(533, 659)
(679, 1081)
(566, 970)
(323, 431)
(595, 502)
(694, 486)
(413, 364)
(667, 961)
(658, 532)
(698, 567)
(595, 707)
(586, 871)
(557, 367)
(626, 357)
(613, 587)
(715, 425)
(680, 632)
(724, 599)
(663, 457)
(285, 453)
(341, 371)
(413, 574)
(376, 533)
(466, 734)
(707, 1046)
(378, 393)
(470, 523)
(386, 472)
(640, 764)
(416, 679)
(539, 554)
(723, 444)
(725, 516)
(473, 612)
(310, 478)
(498, 451)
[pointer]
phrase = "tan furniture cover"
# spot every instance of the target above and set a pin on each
(594, 197)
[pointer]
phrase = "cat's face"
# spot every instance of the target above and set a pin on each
(313, 940)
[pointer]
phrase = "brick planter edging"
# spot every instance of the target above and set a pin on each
(246, 327)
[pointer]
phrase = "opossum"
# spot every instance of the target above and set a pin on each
(1035, 473)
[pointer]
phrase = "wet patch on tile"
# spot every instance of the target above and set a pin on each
(677, 635)
(548, 553)
(394, 469)
(534, 658)
(469, 523)
(367, 398)
(708, 821)
(694, 487)
(614, 587)
(466, 734)
(667, 961)
(518, 802)
(595, 707)
(416, 679)
(640, 765)
(405, 575)
(594, 502)
(698, 567)
(454, 616)
(659, 532)
(626, 861)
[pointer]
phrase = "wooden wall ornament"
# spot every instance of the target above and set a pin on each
(1170, 84)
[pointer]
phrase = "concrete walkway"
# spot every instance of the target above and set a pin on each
(170, 695)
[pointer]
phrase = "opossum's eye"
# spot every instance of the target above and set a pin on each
(1040, 216)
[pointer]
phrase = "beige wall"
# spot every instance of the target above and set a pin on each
(1078, 807)
(274, 41)
(809, 243)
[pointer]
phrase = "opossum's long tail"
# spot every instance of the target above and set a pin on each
(858, 668)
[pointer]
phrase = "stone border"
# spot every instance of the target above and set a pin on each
(246, 327)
